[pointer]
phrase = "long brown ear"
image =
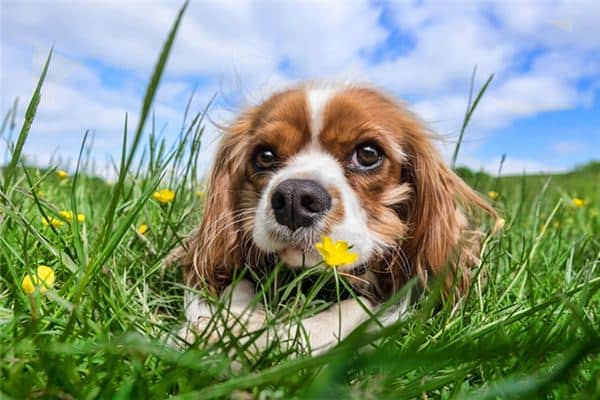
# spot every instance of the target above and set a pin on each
(214, 249)
(440, 233)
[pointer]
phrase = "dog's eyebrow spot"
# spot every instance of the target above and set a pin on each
(284, 137)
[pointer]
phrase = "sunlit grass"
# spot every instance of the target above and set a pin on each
(528, 328)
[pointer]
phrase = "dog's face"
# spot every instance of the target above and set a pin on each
(324, 162)
(349, 163)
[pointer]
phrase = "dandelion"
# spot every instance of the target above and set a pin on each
(493, 195)
(68, 215)
(578, 202)
(142, 229)
(335, 254)
(164, 196)
(61, 174)
(55, 222)
(43, 280)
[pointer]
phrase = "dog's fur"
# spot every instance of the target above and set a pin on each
(407, 217)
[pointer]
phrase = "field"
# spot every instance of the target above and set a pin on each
(99, 329)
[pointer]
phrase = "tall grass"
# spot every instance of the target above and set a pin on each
(530, 331)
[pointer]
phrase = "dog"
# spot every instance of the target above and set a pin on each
(346, 162)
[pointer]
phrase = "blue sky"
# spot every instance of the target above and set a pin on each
(542, 109)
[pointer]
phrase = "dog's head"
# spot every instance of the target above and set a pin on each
(350, 163)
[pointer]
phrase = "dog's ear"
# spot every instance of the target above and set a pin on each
(214, 249)
(440, 234)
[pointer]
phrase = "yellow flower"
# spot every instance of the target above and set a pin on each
(337, 253)
(492, 195)
(199, 194)
(62, 174)
(578, 202)
(164, 196)
(142, 229)
(55, 222)
(43, 280)
(68, 215)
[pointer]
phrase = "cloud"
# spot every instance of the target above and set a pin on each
(510, 166)
(568, 147)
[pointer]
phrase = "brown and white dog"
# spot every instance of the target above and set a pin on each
(348, 162)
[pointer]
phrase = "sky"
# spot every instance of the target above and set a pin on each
(542, 109)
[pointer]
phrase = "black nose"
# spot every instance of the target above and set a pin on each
(299, 202)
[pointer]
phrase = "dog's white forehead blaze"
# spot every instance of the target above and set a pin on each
(317, 99)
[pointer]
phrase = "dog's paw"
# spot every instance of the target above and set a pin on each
(233, 319)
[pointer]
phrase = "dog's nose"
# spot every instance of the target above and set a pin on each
(299, 202)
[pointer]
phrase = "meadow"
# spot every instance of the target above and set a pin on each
(97, 324)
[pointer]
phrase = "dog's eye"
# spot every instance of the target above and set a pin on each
(366, 156)
(264, 159)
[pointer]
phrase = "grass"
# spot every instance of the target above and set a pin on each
(532, 331)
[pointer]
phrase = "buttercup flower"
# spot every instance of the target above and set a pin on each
(335, 254)
(492, 195)
(164, 196)
(68, 215)
(142, 229)
(55, 222)
(578, 202)
(43, 280)
(62, 174)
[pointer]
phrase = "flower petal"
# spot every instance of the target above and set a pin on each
(350, 258)
(27, 285)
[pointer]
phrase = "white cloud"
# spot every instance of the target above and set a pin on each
(511, 166)
(568, 146)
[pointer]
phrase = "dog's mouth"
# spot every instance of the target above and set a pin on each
(300, 256)
(303, 239)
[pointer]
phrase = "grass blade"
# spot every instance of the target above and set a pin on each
(29, 117)
(469, 113)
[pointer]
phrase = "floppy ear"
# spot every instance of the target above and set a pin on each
(214, 249)
(440, 233)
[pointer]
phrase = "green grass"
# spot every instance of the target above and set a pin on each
(532, 331)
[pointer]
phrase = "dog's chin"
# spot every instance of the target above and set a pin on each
(298, 258)
(292, 256)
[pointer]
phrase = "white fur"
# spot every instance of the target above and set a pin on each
(315, 334)
(317, 99)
